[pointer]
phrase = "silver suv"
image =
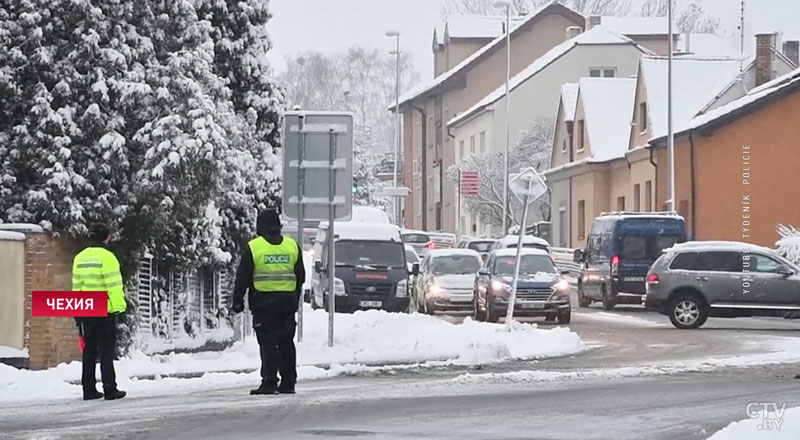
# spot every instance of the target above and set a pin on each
(696, 280)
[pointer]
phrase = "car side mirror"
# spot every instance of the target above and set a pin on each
(564, 272)
(785, 271)
(577, 257)
(483, 273)
(415, 269)
(318, 266)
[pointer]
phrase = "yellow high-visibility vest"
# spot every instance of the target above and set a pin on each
(273, 265)
(97, 269)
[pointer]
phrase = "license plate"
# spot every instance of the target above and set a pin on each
(370, 303)
(533, 305)
(634, 278)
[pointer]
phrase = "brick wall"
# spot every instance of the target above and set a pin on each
(48, 266)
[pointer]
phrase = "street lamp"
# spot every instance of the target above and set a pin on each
(670, 128)
(396, 35)
(501, 4)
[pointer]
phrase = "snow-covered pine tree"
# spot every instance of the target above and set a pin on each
(366, 183)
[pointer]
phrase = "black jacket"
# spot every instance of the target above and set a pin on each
(281, 304)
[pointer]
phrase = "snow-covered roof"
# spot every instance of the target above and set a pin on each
(636, 26)
(566, 166)
(639, 215)
(21, 227)
(528, 239)
(494, 44)
(12, 236)
(448, 252)
(608, 109)
(512, 252)
(477, 26)
(697, 81)
(707, 45)
(766, 91)
(719, 245)
(596, 36)
(569, 99)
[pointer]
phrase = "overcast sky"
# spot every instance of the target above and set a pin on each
(334, 25)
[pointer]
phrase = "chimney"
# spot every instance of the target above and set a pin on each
(573, 31)
(594, 20)
(764, 45)
(791, 49)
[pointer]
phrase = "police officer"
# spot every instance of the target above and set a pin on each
(96, 268)
(272, 270)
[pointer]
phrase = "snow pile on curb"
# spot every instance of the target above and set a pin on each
(748, 429)
(363, 341)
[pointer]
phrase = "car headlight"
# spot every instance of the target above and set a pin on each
(436, 290)
(562, 285)
(560, 291)
(338, 287)
(402, 288)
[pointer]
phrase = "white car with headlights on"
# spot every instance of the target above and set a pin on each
(445, 281)
(541, 289)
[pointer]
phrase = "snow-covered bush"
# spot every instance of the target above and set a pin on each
(789, 243)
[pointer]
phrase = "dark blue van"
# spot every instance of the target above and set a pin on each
(619, 251)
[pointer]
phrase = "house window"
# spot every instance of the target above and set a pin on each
(564, 146)
(580, 136)
(418, 201)
(461, 150)
(581, 219)
(637, 206)
(562, 226)
(472, 144)
(643, 116)
(483, 142)
(621, 203)
(603, 72)
(648, 196)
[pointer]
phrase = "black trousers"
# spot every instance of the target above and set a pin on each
(275, 334)
(100, 335)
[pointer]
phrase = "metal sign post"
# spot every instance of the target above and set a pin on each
(528, 186)
(318, 177)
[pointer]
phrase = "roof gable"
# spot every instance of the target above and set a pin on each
(554, 7)
(596, 36)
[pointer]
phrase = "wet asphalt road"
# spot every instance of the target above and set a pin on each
(442, 403)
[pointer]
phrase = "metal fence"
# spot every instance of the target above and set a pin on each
(564, 260)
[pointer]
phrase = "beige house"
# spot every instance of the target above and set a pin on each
(428, 146)
(534, 96)
(701, 85)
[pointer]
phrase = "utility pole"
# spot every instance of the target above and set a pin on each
(670, 133)
(500, 4)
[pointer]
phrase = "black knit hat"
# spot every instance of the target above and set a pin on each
(268, 221)
(99, 232)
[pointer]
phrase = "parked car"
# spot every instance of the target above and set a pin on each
(369, 214)
(479, 245)
(619, 251)
(443, 240)
(445, 281)
(693, 281)
(371, 270)
(419, 240)
(528, 242)
(541, 290)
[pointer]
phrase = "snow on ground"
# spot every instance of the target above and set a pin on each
(775, 351)
(754, 428)
(11, 352)
(621, 319)
(185, 342)
(361, 339)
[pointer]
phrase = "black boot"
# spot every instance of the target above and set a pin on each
(92, 394)
(114, 394)
(286, 388)
(265, 388)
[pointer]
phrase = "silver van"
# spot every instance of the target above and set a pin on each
(693, 281)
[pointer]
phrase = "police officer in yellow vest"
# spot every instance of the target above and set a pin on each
(97, 269)
(271, 268)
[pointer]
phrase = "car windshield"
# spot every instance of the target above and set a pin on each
(455, 264)
(411, 257)
(416, 238)
(529, 264)
(369, 254)
(646, 247)
(480, 246)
